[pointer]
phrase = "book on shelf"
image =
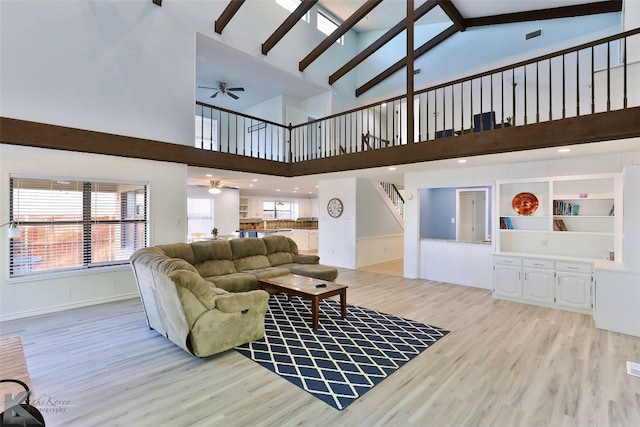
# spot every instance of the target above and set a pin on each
(509, 224)
(559, 225)
(505, 223)
(612, 211)
(575, 209)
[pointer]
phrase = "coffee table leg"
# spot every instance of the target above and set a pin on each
(343, 303)
(315, 302)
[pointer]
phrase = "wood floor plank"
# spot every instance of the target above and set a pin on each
(503, 364)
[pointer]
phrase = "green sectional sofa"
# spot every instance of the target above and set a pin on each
(204, 296)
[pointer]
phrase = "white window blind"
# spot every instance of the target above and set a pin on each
(74, 224)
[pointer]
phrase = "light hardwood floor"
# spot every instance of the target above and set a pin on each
(395, 267)
(503, 364)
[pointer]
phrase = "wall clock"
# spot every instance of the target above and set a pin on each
(334, 207)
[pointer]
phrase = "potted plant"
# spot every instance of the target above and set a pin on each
(214, 232)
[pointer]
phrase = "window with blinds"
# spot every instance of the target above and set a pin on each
(74, 224)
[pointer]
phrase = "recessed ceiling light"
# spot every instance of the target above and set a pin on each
(392, 168)
(277, 189)
(317, 186)
(250, 185)
(255, 180)
(296, 188)
(564, 150)
(462, 160)
(208, 175)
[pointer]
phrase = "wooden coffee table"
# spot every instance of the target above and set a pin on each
(307, 288)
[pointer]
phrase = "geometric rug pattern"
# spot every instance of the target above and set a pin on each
(343, 358)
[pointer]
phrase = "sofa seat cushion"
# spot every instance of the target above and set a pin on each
(318, 271)
(235, 282)
(263, 273)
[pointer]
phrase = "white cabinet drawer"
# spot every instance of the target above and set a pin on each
(539, 263)
(507, 260)
(574, 267)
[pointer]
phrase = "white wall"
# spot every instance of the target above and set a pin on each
(52, 292)
(337, 236)
(128, 67)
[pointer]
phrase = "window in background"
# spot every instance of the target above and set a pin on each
(199, 216)
(328, 25)
(292, 5)
(70, 224)
(206, 133)
(276, 210)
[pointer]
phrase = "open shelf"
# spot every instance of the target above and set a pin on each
(575, 216)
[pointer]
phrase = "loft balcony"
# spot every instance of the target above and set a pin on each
(587, 93)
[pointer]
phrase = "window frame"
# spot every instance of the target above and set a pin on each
(331, 19)
(275, 209)
(126, 209)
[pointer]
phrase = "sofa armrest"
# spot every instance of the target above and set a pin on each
(237, 302)
(205, 291)
(306, 259)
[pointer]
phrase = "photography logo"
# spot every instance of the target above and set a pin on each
(18, 411)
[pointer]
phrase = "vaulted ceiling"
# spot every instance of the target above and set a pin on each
(387, 17)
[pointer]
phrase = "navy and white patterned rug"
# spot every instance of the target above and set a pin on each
(343, 358)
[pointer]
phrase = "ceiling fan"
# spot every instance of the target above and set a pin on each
(224, 89)
(216, 187)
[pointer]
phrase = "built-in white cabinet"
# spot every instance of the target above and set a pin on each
(308, 208)
(307, 240)
(507, 277)
(539, 280)
(574, 285)
(548, 282)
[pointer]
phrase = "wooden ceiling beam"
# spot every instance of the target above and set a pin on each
(227, 14)
(403, 62)
(381, 41)
(287, 25)
(362, 11)
(607, 6)
(453, 13)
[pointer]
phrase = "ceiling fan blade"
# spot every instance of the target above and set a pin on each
(214, 95)
(241, 89)
(207, 87)
(234, 96)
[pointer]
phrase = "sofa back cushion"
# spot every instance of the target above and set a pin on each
(278, 250)
(213, 258)
(178, 250)
(249, 253)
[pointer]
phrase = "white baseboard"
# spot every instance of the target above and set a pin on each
(64, 307)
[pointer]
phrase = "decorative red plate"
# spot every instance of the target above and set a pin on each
(525, 203)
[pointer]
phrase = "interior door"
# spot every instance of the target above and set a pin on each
(466, 217)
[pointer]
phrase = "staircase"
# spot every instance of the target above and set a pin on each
(395, 198)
